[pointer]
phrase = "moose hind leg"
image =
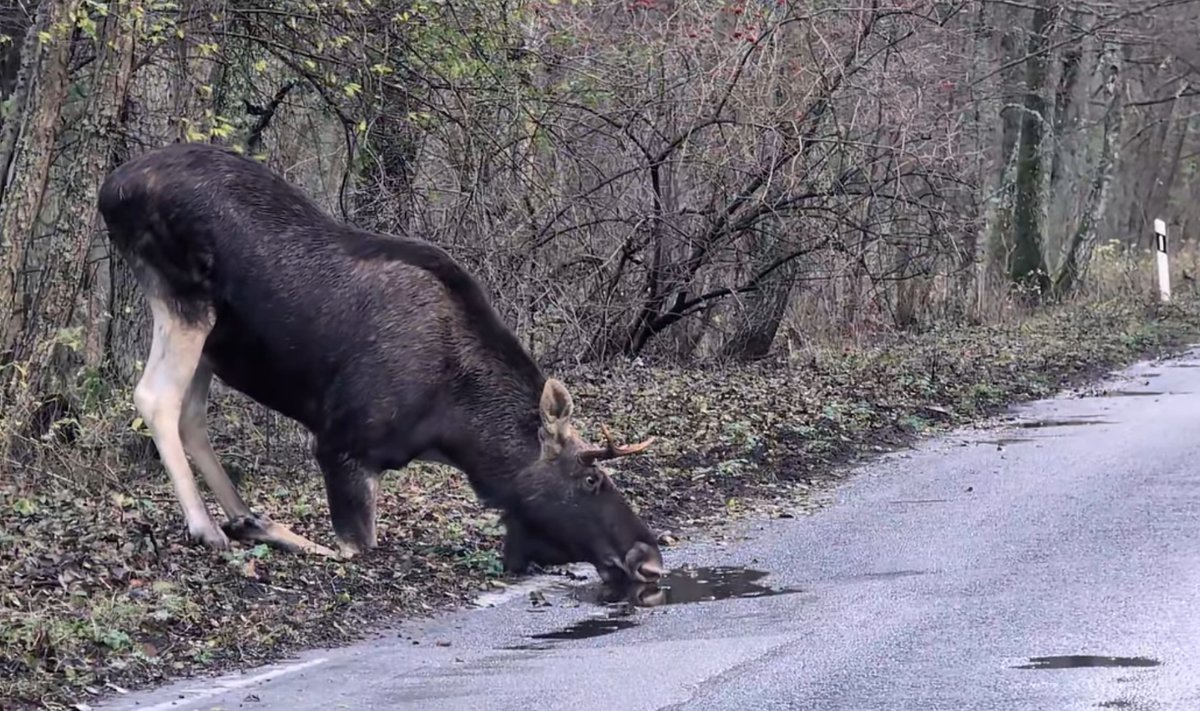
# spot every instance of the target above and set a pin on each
(175, 351)
(352, 494)
(243, 524)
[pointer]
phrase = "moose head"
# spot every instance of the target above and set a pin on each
(568, 508)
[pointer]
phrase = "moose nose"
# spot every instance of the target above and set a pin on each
(650, 571)
(644, 562)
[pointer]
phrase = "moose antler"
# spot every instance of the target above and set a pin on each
(611, 450)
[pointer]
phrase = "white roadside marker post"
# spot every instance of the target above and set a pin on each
(1164, 274)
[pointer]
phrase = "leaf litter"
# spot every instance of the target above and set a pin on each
(100, 592)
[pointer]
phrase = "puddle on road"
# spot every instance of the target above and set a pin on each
(1130, 393)
(1082, 660)
(591, 627)
(688, 585)
(680, 586)
(614, 621)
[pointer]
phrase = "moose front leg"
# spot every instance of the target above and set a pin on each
(243, 523)
(352, 492)
(175, 351)
(523, 549)
(517, 555)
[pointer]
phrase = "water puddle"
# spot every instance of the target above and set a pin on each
(688, 585)
(591, 627)
(614, 621)
(1129, 393)
(1075, 661)
(680, 586)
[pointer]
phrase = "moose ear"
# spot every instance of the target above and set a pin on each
(556, 403)
(556, 408)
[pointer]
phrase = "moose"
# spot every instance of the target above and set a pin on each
(383, 347)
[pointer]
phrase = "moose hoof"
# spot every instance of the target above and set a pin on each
(348, 549)
(210, 536)
(247, 528)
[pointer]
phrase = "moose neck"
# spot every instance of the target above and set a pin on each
(502, 442)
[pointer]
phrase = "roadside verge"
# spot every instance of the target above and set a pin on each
(98, 591)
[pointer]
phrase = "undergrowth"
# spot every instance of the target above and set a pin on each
(99, 591)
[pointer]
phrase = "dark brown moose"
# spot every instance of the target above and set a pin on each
(383, 347)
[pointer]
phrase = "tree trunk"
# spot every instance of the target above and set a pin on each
(1068, 77)
(1168, 168)
(75, 288)
(994, 249)
(765, 307)
(1067, 147)
(14, 23)
(35, 131)
(1078, 251)
(20, 63)
(110, 90)
(1027, 265)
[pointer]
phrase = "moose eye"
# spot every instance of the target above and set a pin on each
(592, 480)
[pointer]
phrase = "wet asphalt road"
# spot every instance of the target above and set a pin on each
(970, 573)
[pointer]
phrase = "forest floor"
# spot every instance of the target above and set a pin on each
(99, 591)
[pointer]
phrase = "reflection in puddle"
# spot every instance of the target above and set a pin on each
(1083, 660)
(1130, 393)
(687, 585)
